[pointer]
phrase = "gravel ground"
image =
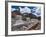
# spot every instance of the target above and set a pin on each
(33, 24)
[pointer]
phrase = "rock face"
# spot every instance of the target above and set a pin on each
(19, 25)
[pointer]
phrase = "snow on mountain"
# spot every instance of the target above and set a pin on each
(35, 10)
(25, 10)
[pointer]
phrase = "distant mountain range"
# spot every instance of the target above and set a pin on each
(31, 15)
(33, 12)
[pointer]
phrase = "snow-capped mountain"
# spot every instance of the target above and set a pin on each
(26, 10)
